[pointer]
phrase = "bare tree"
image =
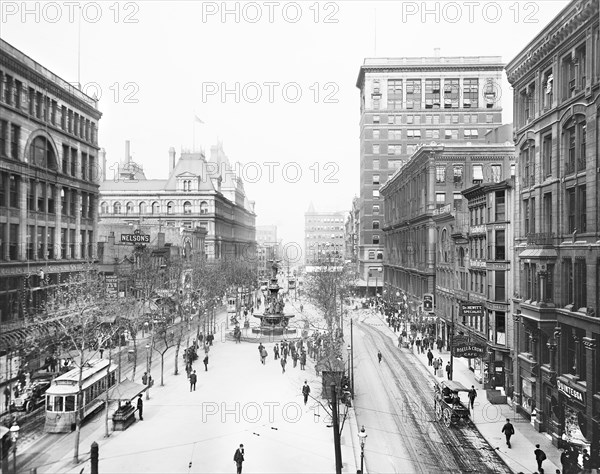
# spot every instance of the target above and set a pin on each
(86, 321)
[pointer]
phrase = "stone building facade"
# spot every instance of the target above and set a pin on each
(556, 79)
(48, 188)
(197, 193)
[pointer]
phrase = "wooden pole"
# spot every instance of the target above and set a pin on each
(336, 431)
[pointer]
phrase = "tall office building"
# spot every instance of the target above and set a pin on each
(408, 102)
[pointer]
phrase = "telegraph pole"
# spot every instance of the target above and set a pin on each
(336, 431)
(451, 346)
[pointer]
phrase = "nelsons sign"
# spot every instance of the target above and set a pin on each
(570, 391)
(135, 238)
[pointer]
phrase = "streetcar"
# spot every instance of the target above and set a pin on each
(232, 304)
(61, 396)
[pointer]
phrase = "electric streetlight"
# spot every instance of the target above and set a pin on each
(14, 436)
(148, 371)
(362, 436)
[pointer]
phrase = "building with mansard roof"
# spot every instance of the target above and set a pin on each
(196, 193)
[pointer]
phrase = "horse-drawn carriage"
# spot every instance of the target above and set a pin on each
(447, 403)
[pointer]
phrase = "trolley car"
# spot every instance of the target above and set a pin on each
(61, 396)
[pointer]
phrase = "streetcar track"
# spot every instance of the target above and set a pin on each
(469, 451)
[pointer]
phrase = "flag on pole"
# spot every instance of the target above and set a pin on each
(198, 119)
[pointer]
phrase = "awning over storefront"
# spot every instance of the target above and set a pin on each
(538, 253)
(361, 283)
(125, 391)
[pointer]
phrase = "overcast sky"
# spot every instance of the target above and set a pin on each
(157, 64)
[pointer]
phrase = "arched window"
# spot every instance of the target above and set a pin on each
(203, 207)
(575, 140)
(187, 207)
(155, 208)
(527, 158)
(117, 208)
(129, 208)
(142, 207)
(170, 207)
(444, 246)
(104, 208)
(41, 154)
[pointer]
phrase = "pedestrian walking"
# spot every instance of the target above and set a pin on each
(436, 366)
(565, 461)
(540, 456)
(418, 344)
(508, 431)
(205, 363)
(448, 370)
(276, 351)
(6, 397)
(263, 356)
(238, 458)
(295, 358)
(301, 308)
(303, 361)
(140, 407)
(472, 396)
(305, 391)
(145, 378)
(586, 461)
(193, 379)
(429, 358)
(283, 362)
(379, 356)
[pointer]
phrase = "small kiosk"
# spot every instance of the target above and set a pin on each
(124, 393)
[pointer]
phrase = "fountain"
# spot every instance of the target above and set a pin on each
(273, 321)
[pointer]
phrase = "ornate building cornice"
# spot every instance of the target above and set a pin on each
(562, 28)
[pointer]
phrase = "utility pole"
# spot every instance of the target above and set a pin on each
(336, 431)
(351, 361)
(451, 346)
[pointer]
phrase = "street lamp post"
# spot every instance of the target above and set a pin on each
(148, 371)
(362, 436)
(351, 360)
(14, 436)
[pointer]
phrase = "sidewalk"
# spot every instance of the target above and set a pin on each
(489, 418)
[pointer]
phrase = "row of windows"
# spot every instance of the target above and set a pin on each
(42, 107)
(322, 220)
(536, 98)
(41, 243)
(576, 212)
(438, 94)
(575, 144)
(428, 119)
(153, 209)
(447, 134)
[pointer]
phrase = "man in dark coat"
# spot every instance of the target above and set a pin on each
(472, 396)
(303, 360)
(430, 357)
(540, 456)
(206, 363)
(140, 406)
(448, 370)
(305, 391)
(238, 457)
(283, 362)
(508, 431)
(193, 379)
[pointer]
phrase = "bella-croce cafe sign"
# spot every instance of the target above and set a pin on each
(462, 347)
(570, 391)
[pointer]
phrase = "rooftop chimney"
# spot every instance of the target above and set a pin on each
(127, 153)
(436, 52)
(171, 159)
(103, 164)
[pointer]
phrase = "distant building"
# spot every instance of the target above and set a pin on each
(323, 235)
(48, 192)
(556, 82)
(197, 193)
(267, 248)
(424, 209)
(407, 102)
